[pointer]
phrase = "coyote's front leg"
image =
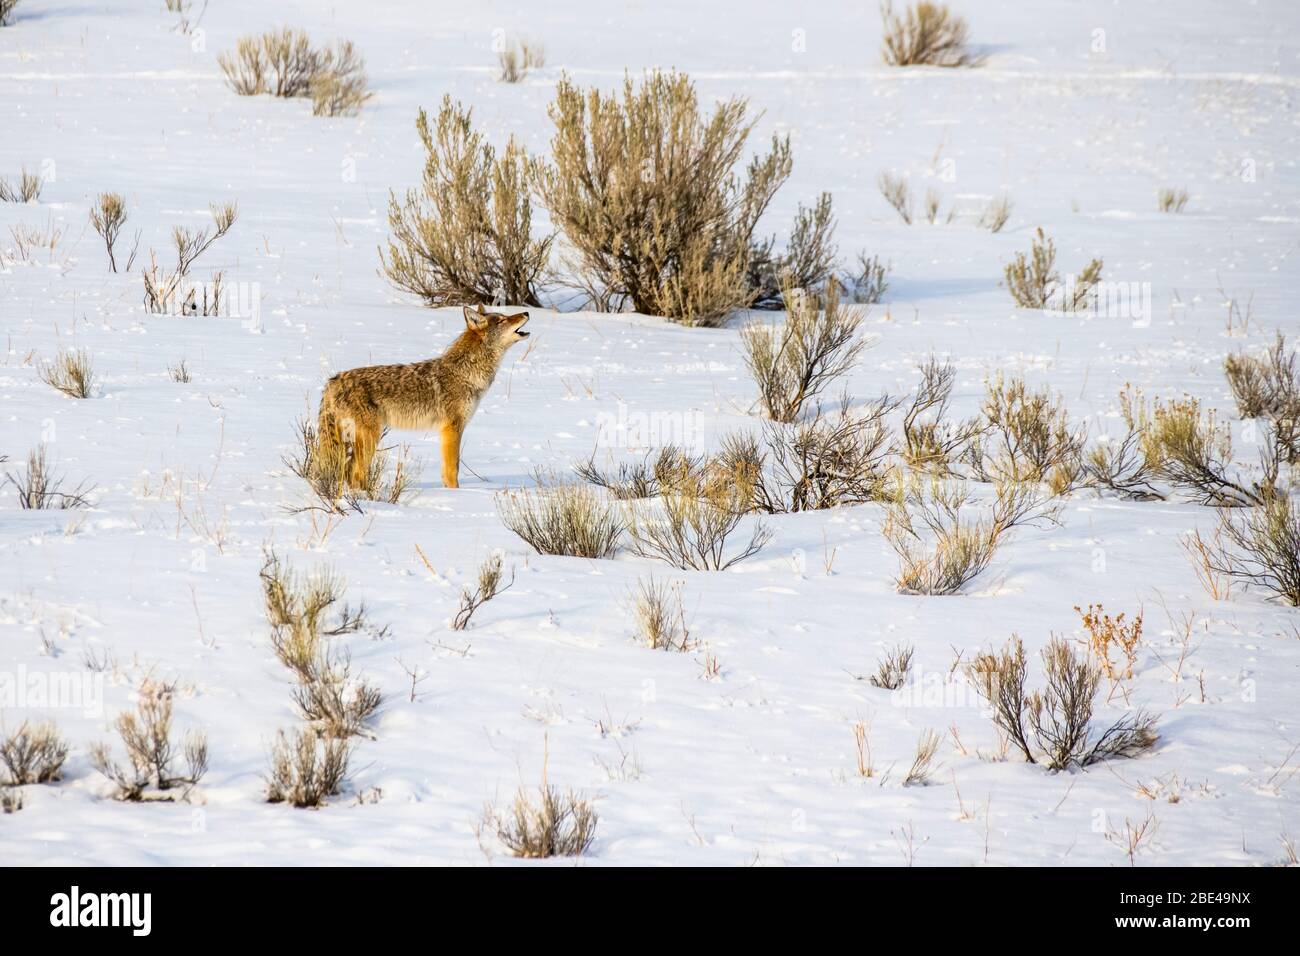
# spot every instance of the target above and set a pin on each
(451, 434)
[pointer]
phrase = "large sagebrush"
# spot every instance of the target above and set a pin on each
(465, 235)
(645, 187)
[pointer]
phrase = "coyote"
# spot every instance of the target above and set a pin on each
(440, 393)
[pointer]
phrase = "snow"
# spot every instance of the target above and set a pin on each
(758, 765)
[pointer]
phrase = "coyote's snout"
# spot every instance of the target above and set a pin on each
(440, 393)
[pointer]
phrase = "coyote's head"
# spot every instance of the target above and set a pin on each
(496, 328)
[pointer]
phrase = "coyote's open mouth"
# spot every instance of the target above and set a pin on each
(519, 330)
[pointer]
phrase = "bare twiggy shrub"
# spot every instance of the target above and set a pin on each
(929, 441)
(644, 187)
(871, 281)
(28, 241)
(1105, 632)
(923, 761)
(561, 517)
(325, 467)
(640, 479)
(7, 11)
(926, 34)
(830, 459)
(339, 86)
(1124, 466)
(660, 615)
(1192, 450)
(995, 215)
(491, 582)
(180, 372)
(941, 546)
(1035, 283)
(1169, 199)
(27, 189)
(71, 372)
(517, 58)
(329, 698)
(107, 217)
(284, 63)
(552, 822)
(1026, 437)
(150, 750)
(807, 264)
(11, 799)
(1054, 726)
(40, 487)
(306, 769)
(465, 236)
(898, 194)
(166, 290)
(1269, 387)
(34, 753)
(692, 522)
(892, 669)
(1261, 547)
(794, 363)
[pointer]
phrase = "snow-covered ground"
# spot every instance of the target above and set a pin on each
(1079, 127)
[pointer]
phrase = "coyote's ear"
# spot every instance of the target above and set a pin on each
(475, 319)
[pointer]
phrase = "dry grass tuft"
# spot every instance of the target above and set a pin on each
(1261, 547)
(550, 823)
(71, 372)
(28, 188)
(284, 63)
(324, 466)
(1169, 199)
(893, 669)
(922, 763)
(516, 59)
(660, 616)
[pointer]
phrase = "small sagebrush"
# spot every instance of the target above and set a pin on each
(792, 364)
(1268, 386)
(284, 63)
(1026, 436)
(660, 616)
(325, 467)
(560, 517)
(925, 34)
(27, 189)
(151, 752)
(893, 669)
(306, 770)
(34, 753)
(303, 609)
(692, 524)
(1260, 547)
(640, 479)
(40, 487)
(1035, 283)
(930, 442)
(1192, 450)
(491, 582)
(329, 698)
(546, 823)
(107, 216)
(806, 265)
(941, 541)
(517, 58)
(72, 372)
